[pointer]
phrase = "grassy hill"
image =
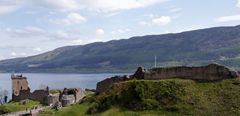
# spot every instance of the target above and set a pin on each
(198, 47)
(163, 97)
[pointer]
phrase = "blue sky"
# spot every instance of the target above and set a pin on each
(29, 27)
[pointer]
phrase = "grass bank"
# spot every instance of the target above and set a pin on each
(17, 106)
(163, 97)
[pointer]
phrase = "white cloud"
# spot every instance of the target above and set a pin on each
(156, 20)
(72, 18)
(175, 10)
(36, 33)
(29, 31)
(22, 54)
(85, 40)
(100, 32)
(143, 23)
(13, 54)
(121, 31)
(228, 18)
(63, 5)
(238, 3)
(38, 49)
(161, 21)
(114, 5)
(34, 29)
(150, 15)
(7, 6)
(7, 9)
(79, 41)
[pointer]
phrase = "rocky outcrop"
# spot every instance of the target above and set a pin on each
(105, 84)
(212, 72)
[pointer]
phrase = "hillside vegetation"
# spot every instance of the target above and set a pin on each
(184, 97)
(199, 47)
(169, 97)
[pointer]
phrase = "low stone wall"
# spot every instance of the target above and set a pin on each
(103, 85)
(212, 72)
(52, 99)
(38, 95)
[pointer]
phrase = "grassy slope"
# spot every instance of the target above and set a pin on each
(164, 97)
(80, 110)
(18, 106)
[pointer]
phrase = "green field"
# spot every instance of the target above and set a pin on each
(81, 109)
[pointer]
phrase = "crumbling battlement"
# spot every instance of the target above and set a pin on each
(103, 85)
(37, 95)
(18, 83)
(21, 90)
(211, 72)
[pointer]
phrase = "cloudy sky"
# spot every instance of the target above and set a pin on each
(29, 27)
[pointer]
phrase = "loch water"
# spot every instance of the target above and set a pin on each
(60, 81)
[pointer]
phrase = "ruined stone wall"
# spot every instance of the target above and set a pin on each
(38, 95)
(79, 95)
(67, 100)
(103, 85)
(212, 72)
(23, 94)
(52, 99)
(66, 97)
(21, 90)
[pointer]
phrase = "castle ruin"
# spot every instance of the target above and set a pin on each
(21, 91)
(18, 83)
(211, 72)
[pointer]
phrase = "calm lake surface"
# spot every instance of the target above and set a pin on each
(39, 80)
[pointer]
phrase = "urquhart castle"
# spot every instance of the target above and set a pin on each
(21, 91)
(211, 72)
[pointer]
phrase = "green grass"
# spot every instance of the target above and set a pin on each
(17, 106)
(185, 97)
(88, 93)
(54, 91)
(80, 110)
(168, 97)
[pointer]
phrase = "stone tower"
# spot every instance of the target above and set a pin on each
(18, 83)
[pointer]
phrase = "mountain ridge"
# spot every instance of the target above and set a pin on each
(197, 47)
